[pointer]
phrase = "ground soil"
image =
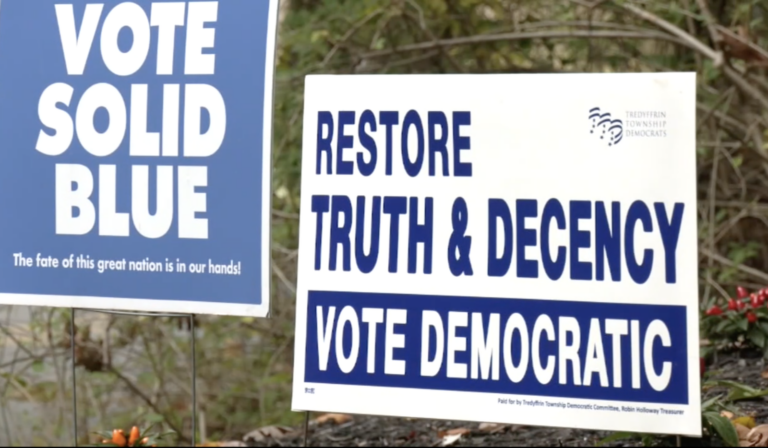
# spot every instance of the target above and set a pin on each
(365, 431)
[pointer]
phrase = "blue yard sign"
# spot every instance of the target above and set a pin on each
(135, 154)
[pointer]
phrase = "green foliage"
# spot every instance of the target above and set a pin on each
(739, 322)
(645, 439)
(713, 422)
(715, 425)
(721, 426)
(736, 391)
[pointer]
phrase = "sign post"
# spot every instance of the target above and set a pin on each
(501, 248)
(135, 171)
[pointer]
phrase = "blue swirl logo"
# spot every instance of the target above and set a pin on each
(607, 128)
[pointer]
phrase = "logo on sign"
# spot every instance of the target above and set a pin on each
(636, 123)
(609, 129)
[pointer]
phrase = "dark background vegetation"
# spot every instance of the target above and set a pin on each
(137, 370)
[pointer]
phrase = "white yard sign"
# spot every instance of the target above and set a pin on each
(501, 248)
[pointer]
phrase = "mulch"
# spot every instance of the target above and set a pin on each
(366, 431)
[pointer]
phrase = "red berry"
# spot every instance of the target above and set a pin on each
(740, 305)
(754, 300)
(741, 292)
(714, 311)
(732, 305)
(751, 317)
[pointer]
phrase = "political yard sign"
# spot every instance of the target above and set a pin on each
(501, 248)
(135, 163)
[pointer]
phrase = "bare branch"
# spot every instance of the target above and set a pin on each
(689, 40)
(501, 37)
(349, 35)
(746, 269)
(716, 56)
(750, 90)
(711, 23)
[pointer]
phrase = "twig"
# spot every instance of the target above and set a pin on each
(725, 96)
(716, 56)
(15, 383)
(267, 371)
(16, 341)
(487, 38)
(159, 373)
(8, 310)
(6, 424)
(286, 215)
(349, 34)
(754, 205)
(692, 31)
(750, 90)
(7, 384)
(432, 37)
(184, 385)
(136, 390)
(59, 370)
(725, 119)
(746, 269)
(711, 23)
(402, 62)
(760, 81)
(719, 288)
(97, 404)
(711, 226)
(721, 29)
(729, 225)
(281, 275)
(691, 41)
(730, 145)
(544, 24)
(3, 398)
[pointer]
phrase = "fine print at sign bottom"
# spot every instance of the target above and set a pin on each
(588, 407)
(81, 261)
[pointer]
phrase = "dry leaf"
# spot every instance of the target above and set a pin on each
(450, 440)
(726, 414)
(457, 431)
(267, 432)
(748, 422)
(739, 45)
(742, 431)
(335, 418)
(758, 436)
(765, 374)
(492, 427)
(453, 432)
